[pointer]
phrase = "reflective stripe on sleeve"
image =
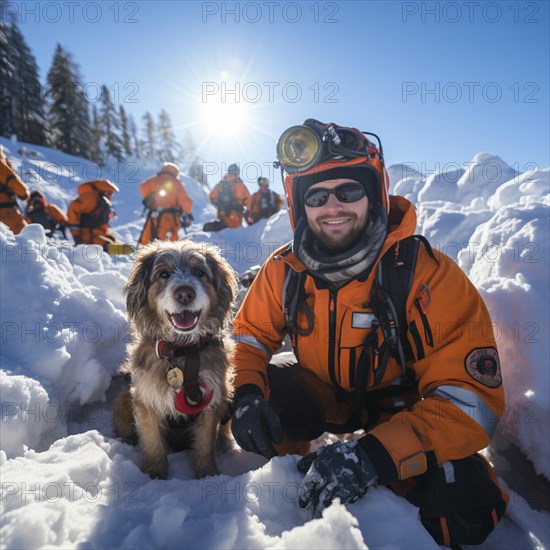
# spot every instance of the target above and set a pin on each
(251, 341)
(449, 471)
(471, 403)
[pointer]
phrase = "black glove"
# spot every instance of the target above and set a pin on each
(77, 239)
(186, 219)
(342, 470)
(255, 425)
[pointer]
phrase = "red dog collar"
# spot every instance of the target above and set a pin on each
(184, 407)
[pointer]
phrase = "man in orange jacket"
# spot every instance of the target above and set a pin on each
(263, 203)
(420, 374)
(11, 187)
(89, 214)
(166, 201)
(230, 197)
(48, 215)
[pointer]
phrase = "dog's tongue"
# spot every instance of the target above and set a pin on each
(185, 321)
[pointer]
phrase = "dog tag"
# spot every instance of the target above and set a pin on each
(174, 377)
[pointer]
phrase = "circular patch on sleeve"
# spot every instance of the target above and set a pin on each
(483, 365)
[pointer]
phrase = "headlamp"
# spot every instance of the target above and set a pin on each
(301, 147)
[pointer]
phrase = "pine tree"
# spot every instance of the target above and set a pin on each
(196, 171)
(150, 132)
(7, 82)
(110, 123)
(125, 133)
(134, 140)
(168, 146)
(97, 140)
(29, 118)
(68, 110)
(21, 100)
(192, 162)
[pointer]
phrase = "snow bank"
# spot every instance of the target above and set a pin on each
(63, 332)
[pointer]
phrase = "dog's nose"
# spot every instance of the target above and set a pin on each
(185, 295)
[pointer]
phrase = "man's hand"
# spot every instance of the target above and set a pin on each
(256, 426)
(342, 470)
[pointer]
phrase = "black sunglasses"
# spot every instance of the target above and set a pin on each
(347, 192)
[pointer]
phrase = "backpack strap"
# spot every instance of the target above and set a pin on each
(4, 188)
(294, 301)
(395, 275)
(393, 284)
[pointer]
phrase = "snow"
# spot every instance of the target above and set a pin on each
(67, 482)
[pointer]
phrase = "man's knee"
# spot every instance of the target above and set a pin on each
(460, 501)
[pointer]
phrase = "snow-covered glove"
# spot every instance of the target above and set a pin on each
(342, 470)
(255, 425)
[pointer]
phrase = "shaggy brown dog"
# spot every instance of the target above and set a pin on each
(179, 297)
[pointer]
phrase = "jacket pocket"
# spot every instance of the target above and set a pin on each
(428, 335)
(355, 327)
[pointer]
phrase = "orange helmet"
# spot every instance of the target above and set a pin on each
(315, 152)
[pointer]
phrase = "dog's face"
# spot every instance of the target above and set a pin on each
(179, 291)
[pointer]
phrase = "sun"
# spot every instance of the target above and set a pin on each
(224, 118)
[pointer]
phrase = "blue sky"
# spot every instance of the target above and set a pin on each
(438, 81)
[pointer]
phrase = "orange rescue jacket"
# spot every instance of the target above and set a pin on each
(88, 215)
(11, 186)
(232, 215)
(254, 210)
(460, 396)
(165, 196)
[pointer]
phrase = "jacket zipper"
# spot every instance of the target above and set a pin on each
(428, 336)
(413, 329)
(332, 335)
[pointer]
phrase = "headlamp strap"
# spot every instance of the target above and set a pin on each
(333, 134)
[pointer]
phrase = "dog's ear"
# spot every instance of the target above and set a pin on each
(138, 281)
(225, 279)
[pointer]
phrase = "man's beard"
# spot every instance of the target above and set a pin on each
(329, 245)
(344, 260)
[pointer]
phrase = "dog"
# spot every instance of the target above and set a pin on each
(179, 297)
